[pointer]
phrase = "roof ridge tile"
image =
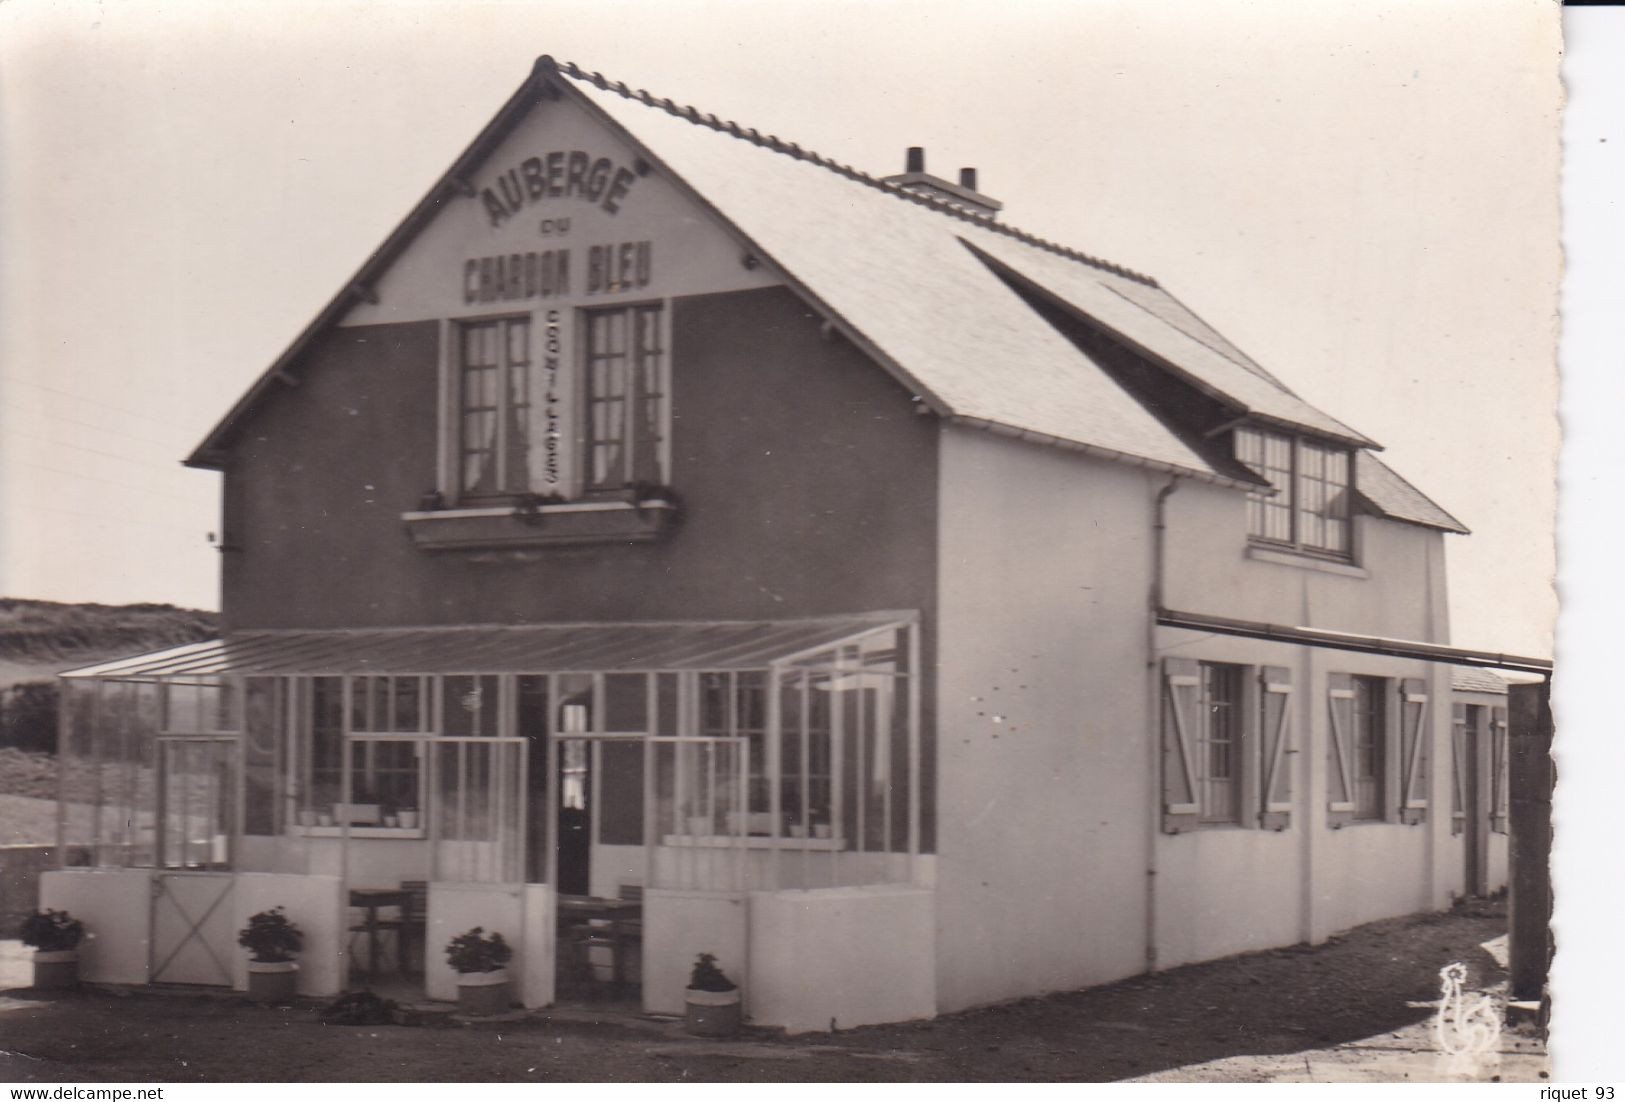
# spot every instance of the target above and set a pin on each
(774, 143)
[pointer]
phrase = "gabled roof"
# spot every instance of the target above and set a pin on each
(1391, 496)
(908, 279)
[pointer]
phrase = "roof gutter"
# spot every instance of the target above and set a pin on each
(1001, 429)
(1362, 644)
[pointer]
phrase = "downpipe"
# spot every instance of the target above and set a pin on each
(1153, 742)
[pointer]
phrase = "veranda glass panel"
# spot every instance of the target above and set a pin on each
(470, 706)
(319, 706)
(845, 764)
(264, 755)
(196, 802)
(477, 809)
(697, 827)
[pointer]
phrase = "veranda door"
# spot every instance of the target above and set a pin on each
(192, 936)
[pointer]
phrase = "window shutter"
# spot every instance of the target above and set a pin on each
(1413, 751)
(1181, 685)
(1458, 770)
(1339, 749)
(1498, 770)
(1275, 719)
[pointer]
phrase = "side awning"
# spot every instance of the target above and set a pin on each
(496, 648)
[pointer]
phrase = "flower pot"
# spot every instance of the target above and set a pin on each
(711, 1013)
(481, 994)
(820, 830)
(56, 969)
(272, 981)
(409, 820)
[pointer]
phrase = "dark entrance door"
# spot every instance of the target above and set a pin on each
(573, 799)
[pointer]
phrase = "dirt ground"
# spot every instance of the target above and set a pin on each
(1356, 987)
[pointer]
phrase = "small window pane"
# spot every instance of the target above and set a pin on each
(626, 702)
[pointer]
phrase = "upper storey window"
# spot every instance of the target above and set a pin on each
(562, 406)
(1310, 507)
(626, 396)
(495, 414)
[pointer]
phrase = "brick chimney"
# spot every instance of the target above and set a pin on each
(963, 195)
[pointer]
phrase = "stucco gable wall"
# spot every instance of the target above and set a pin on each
(1394, 587)
(1041, 719)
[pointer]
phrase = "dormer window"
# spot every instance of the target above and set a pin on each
(1309, 510)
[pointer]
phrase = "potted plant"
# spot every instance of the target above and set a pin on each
(480, 961)
(273, 976)
(54, 937)
(712, 1000)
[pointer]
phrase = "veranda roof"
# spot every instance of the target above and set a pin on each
(500, 648)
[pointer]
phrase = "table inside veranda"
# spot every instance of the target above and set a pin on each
(615, 924)
(372, 900)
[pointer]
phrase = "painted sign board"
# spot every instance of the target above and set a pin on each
(564, 213)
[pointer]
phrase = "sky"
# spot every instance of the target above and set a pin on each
(1361, 195)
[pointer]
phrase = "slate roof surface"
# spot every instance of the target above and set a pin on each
(1393, 497)
(896, 269)
(897, 273)
(1140, 315)
(1471, 679)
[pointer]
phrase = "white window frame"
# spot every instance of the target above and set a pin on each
(1260, 502)
(584, 400)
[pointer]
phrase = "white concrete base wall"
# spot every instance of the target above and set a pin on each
(842, 957)
(536, 975)
(680, 925)
(1367, 871)
(456, 908)
(116, 907)
(756, 864)
(313, 903)
(1227, 890)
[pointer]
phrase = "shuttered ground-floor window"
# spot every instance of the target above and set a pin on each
(1376, 749)
(1227, 732)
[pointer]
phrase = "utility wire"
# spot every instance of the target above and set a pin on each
(114, 518)
(108, 481)
(93, 401)
(173, 467)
